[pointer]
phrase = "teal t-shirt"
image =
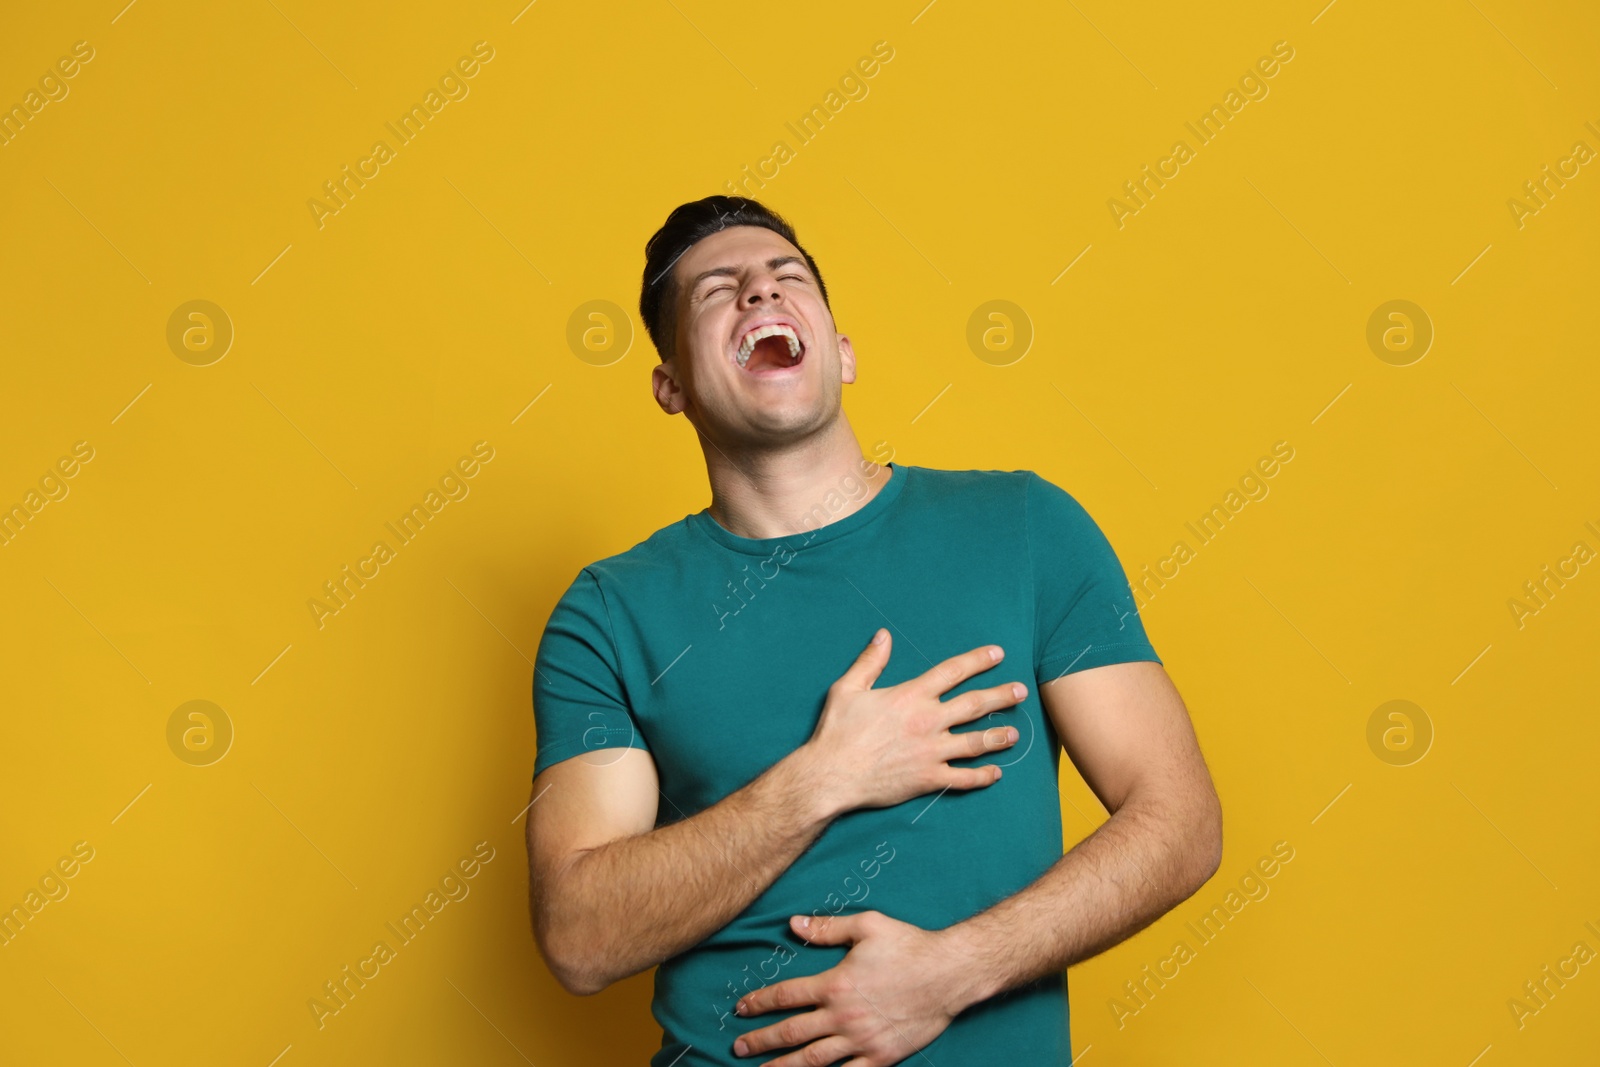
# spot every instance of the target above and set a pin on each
(714, 653)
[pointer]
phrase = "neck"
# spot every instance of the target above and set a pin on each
(787, 491)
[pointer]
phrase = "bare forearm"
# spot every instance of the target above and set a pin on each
(615, 910)
(1134, 868)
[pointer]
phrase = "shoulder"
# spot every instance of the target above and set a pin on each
(973, 487)
(586, 605)
(1032, 496)
(661, 554)
(1047, 497)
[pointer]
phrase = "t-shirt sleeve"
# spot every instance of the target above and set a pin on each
(579, 701)
(1084, 612)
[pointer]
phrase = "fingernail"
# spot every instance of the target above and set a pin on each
(805, 922)
(995, 653)
(740, 1048)
(996, 736)
(1018, 691)
(1011, 733)
(878, 637)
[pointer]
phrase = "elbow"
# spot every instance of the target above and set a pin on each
(579, 983)
(570, 964)
(559, 931)
(1205, 840)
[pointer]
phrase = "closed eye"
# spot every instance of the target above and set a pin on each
(782, 278)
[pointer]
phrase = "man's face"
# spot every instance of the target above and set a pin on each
(728, 284)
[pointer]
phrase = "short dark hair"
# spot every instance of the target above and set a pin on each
(684, 228)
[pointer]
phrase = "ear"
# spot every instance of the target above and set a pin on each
(668, 393)
(847, 360)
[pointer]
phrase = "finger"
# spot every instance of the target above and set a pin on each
(956, 669)
(972, 777)
(827, 930)
(971, 743)
(796, 1030)
(828, 1050)
(786, 1034)
(980, 702)
(792, 993)
(870, 663)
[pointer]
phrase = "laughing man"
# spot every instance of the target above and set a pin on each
(799, 751)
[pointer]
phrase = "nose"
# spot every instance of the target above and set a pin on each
(763, 286)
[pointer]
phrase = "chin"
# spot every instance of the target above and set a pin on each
(793, 423)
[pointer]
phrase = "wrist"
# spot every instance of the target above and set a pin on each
(816, 790)
(970, 978)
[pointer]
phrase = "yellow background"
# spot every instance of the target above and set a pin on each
(369, 354)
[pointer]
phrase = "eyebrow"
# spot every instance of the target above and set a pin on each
(772, 264)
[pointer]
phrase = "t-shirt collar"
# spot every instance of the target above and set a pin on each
(812, 534)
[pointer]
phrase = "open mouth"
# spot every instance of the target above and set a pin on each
(769, 349)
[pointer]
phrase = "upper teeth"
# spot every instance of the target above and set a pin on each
(778, 329)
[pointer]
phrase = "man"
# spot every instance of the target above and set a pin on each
(779, 753)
